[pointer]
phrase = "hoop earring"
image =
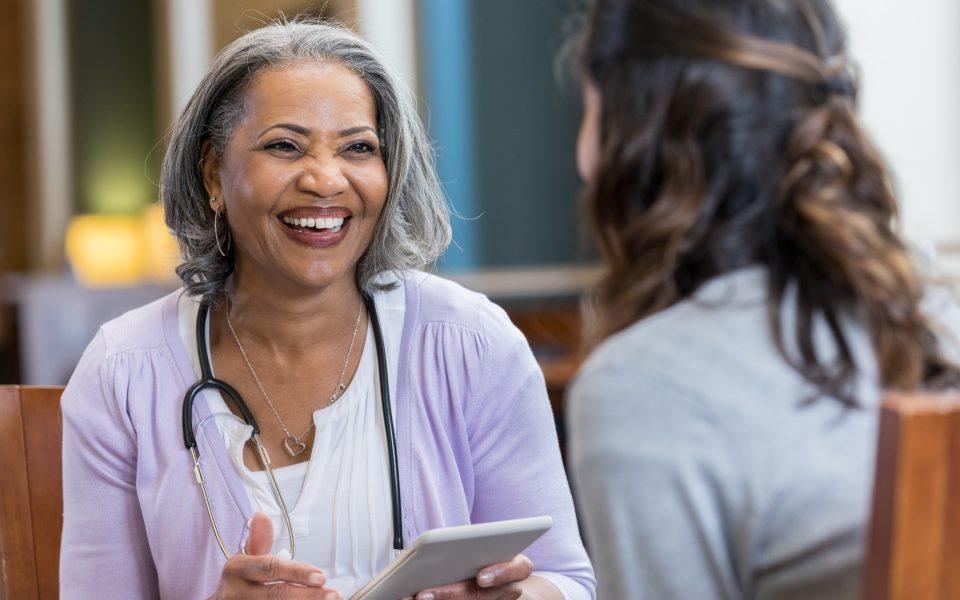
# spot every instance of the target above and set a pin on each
(216, 234)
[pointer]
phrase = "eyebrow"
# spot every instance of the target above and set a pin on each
(292, 127)
(353, 130)
(305, 131)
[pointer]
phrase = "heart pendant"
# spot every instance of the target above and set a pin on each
(293, 446)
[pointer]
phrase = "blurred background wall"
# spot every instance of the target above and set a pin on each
(95, 84)
(89, 87)
(909, 57)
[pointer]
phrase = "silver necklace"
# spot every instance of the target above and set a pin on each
(294, 444)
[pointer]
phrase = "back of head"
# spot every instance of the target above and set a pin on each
(729, 137)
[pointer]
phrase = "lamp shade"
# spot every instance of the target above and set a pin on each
(106, 249)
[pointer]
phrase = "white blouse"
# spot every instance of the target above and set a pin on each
(340, 500)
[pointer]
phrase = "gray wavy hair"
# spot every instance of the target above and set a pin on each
(414, 228)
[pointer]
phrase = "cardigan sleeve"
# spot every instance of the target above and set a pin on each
(104, 544)
(518, 469)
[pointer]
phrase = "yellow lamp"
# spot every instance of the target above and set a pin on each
(106, 249)
(161, 252)
(122, 250)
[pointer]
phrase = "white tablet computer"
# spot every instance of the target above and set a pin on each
(442, 556)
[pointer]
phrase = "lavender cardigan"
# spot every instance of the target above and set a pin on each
(475, 439)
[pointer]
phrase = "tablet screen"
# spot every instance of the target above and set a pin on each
(442, 556)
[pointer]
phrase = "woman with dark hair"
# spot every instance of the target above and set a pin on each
(757, 299)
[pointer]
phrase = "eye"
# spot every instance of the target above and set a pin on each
(285, 147)
(361, 148)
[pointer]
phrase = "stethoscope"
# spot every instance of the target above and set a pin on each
(208, 381)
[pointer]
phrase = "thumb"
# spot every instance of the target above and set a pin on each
(260, 540)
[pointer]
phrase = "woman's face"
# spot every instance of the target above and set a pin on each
(588, 141)
(301, 180)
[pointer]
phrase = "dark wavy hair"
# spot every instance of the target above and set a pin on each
(729, 138)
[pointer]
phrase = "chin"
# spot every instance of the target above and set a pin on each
(319, 278)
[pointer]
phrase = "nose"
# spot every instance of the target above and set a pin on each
(322, 176)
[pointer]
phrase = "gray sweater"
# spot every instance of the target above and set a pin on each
(698, 470)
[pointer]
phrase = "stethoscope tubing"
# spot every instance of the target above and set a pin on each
(208, 381)
(388, 423)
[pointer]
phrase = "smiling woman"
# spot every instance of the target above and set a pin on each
(302, 189)
(300, 156)
(415, 230)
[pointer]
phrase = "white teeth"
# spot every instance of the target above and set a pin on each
(334, 224)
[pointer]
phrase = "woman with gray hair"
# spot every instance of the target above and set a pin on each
(302, 189)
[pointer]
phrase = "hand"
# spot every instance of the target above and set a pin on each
(256, 574)
(500, 581)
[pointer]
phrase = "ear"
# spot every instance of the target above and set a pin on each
(210, 169)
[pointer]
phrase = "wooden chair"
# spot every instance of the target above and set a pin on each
(31, 501)
(914, 541)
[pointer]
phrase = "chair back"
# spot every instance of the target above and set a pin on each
(914, 541)
(31, 503)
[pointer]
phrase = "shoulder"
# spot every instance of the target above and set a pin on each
(138, 336)
(441, 301)
(143, 328)
(664, 391)
(721, 329)
(460, 337)
(710, 357)
(143, 331)
(626, 379)
(124, 353)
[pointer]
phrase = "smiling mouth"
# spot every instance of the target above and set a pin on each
(315, 225)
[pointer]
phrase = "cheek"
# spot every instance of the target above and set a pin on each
(238, 191)
(372, 185)
(588, 140)
(247, 181)
(586, 152)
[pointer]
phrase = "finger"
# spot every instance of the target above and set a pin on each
(469, 589)
(518, 569)
(263, 569)
(260, 540)
(451, 591)
(287, 591)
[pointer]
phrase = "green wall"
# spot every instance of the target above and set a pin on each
(526, 127)
(113, 97)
